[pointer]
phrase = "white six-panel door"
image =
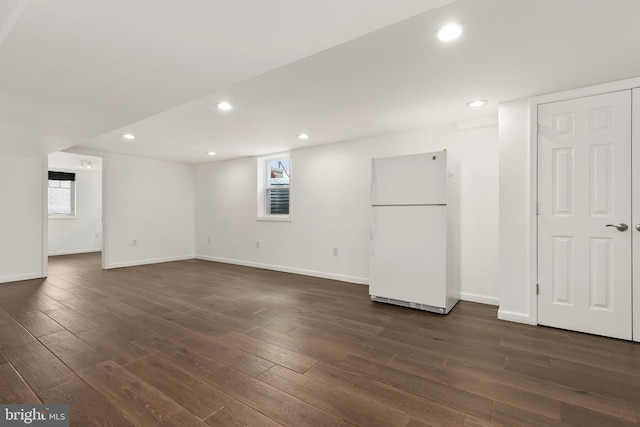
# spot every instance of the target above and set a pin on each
(584, 192)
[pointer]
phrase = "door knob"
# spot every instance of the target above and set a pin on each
(638, 227)
(623, 227)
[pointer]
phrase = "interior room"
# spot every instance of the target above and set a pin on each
(340, 213)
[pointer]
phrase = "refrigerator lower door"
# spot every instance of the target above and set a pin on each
(408, 256)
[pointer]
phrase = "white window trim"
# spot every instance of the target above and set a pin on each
(262, 186)
(74, 204)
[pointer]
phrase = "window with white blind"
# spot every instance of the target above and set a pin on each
(62, 195)
(274, 188)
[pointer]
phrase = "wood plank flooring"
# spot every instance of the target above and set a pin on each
(195, 343)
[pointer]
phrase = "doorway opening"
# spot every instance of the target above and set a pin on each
(74, 208)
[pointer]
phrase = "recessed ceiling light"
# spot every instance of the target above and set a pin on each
(449, 32)
(128, 136)
(225, 106)
(477, 103)
(303, 136)
(211, 153)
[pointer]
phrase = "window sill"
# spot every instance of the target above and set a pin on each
(281, 218)
(65, 217)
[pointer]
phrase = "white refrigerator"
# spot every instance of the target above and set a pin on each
(414, 232)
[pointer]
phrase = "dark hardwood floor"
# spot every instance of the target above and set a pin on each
(197, 343)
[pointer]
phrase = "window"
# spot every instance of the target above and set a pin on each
(62, 194)
(274, 188)
(278, 187)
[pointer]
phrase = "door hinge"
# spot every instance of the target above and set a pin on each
(537, 128)
(537, 289)
(537, 208)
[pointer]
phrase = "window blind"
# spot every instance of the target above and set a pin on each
(62, 176)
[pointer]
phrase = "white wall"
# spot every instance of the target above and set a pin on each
(517, 210)
(21, 217)
(84, 232)
(330, 208)
(152, 202)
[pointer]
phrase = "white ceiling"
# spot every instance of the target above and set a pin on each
(83, 72)
(72, 162)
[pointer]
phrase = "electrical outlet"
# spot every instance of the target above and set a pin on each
(335, 251)
(134, 242)
(258, 245)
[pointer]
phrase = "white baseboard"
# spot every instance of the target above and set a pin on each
(74, 252)
(482, 299)
(20, 277)
(513, 316)
(284, 269)
(147, 261)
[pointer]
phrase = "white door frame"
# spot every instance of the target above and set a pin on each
(45, 213)
(533, 190)
(635, 209)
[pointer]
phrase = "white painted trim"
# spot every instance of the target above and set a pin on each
(73, 252)
(45, 216)
(106, 238)
(284, 269)
(148, 261)
(533, 216)
(478, 123)
(513, 316)
(281, 218)
(588, 91)
(482, 299)
(261, 174)
(635, 210)
(20, 277)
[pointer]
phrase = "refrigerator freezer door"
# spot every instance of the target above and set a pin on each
(418, 179)
(408, 260)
